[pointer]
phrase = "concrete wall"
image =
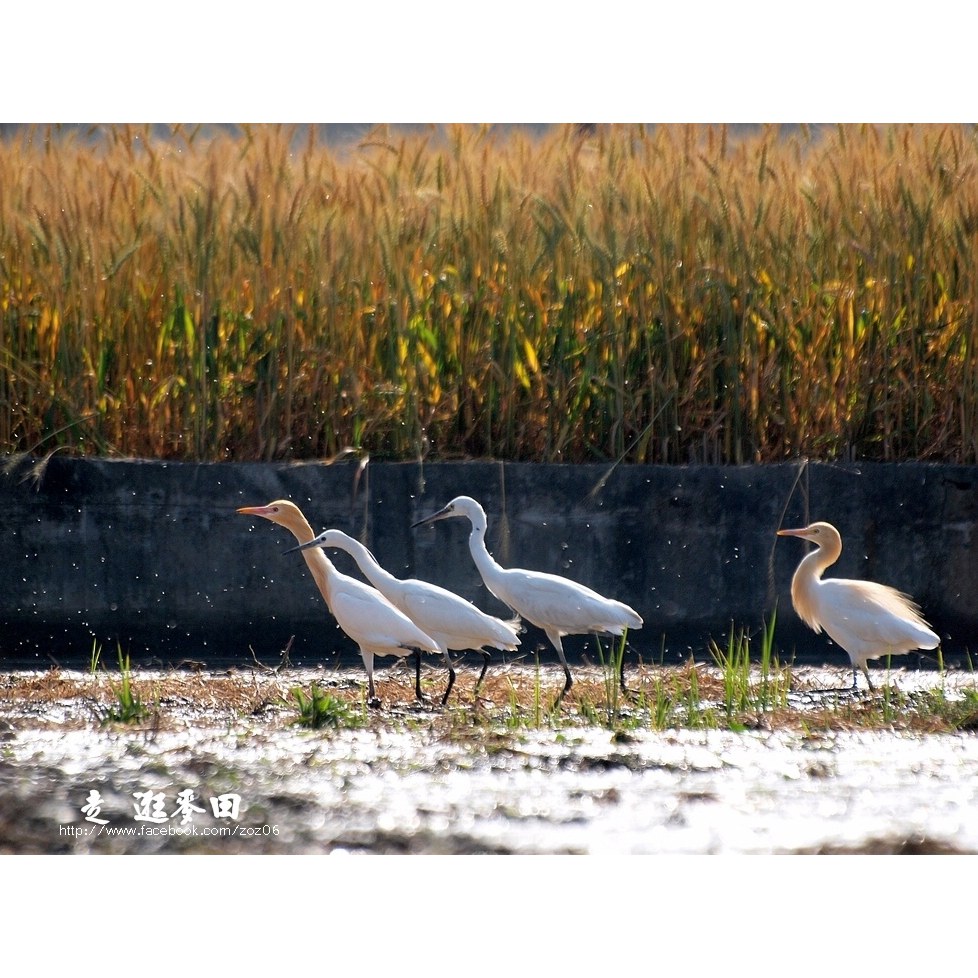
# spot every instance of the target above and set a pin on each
(153, 555)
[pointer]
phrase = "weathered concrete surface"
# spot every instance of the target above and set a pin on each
(152, 554)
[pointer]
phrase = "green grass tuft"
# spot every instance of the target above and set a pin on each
(318, 709)
(128, 706)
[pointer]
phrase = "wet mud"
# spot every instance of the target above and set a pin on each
(218, 765)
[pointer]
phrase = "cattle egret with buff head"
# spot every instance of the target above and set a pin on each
(362, 612)
(449, 619)
(864, 618)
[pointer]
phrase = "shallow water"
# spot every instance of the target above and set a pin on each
(407, 788)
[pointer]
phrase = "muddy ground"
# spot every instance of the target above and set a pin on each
(488, 775)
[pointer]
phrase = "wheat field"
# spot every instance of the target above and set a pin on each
(655, 294)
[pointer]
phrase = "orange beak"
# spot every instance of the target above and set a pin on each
(802, 532)
(254, 510)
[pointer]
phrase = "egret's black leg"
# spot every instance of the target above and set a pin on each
(482, 675)
(568, 682)
(451, 681)
(417, 677)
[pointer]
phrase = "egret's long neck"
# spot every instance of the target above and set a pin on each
(367, 563)
(809, 573)
(318, 563)
(322, 571)
(488, 567)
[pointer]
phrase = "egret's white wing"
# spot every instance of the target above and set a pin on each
(451, 619)
(867, 618)
(550, 601)
(373, 622)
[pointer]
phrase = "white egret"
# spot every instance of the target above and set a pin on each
(362, 612)
(557, 605)
(449, 619)
(864, 618)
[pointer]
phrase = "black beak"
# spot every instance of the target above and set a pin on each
(301, 546)
(440, 515)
